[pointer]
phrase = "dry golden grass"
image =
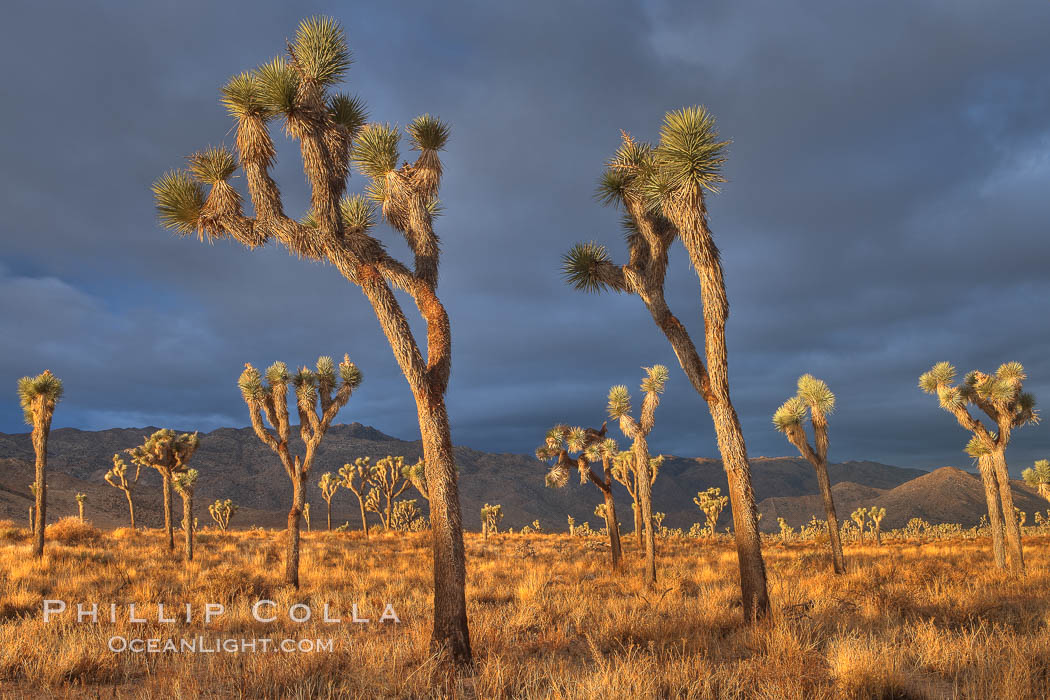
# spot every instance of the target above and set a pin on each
(909, 621)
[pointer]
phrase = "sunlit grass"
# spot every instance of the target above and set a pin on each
(547, 621)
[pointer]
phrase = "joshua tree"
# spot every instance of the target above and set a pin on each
(328, 485)
(1038, 477)
(816, 398)
(999, 396)
(319, 396)
(306, 515)
(332, 136)
(222, 513)
(405, 515)
(81, 497)
(390, 482)
(184, 482)
(876, 514)
(860, 516)
(168, 453)
(117, 477)
(662, 192)
(39, 396)
(624, 470)
(357, 477)
(491, 516)
(711, 502)
(619, 408)
(591, 446)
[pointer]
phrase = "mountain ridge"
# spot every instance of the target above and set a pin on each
(234, 464)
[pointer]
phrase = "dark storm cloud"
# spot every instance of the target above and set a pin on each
(885, 210)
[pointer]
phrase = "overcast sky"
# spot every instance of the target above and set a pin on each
(886, 209)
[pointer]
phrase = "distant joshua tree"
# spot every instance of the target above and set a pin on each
(39, 395)
(328, 485)
(1038, 477)
(185, 482)
(168, 453)
(662, 191)
(117, 477)
(624, 470)
(590, 446)
(619, 408)
(491, 516)
(222, 513)
(319, 394)
(860, 517)
(875, 515)
(306, 515)
(1000, 397)
(711, 502)
(81, 497)
(389, 483)
(816, 398)
(332, 135)
(357, 477)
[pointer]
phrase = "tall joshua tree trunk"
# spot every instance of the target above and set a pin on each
(169, 525)
(291, 562)
(645, 502)
(450, 609)
(705, 258)
(613, 526)
(131, 509)
(638, 533)
(833, 522)
(995, 518)
(1006, 498)
(40, 447)
(187, 523)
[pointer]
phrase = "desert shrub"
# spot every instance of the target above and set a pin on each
(73, 531)
(9, 532)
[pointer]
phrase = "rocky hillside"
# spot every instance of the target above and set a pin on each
(234, 464)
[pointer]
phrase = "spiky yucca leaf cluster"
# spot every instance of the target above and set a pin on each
(242, 96)
(655, 379)
(999, 395)
(180, 199)
(581, 262)
(320, 50)
(213, 164)
(689, 154)
(184, 482)
(791, 413)
(619, 403)
(348, 111)
(375, 151)
(428, 133)
(278, 86)
(816, 394)
(44, 389)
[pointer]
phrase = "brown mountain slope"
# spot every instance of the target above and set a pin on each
(234, 464)
(945, 495)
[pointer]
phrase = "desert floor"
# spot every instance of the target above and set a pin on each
(548, 619)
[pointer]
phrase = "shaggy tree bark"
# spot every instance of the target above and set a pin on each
(995, 518)
(1006, 500)
(169, 525)
(40, 435)
(187, 523)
